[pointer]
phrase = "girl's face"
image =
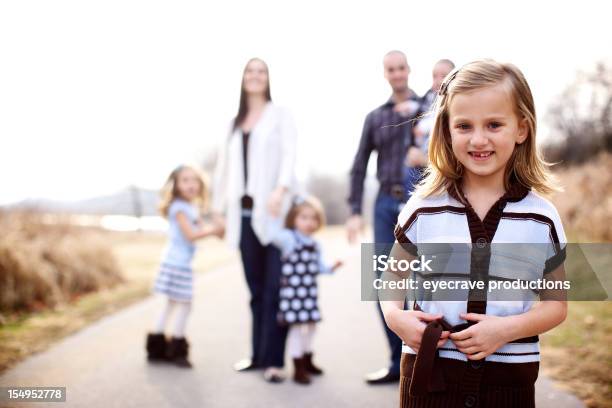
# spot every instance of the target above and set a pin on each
(484, 129)
(306, 220)
(188, 184)
(255, 80)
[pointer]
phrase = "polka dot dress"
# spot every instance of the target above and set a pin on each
(298, 290)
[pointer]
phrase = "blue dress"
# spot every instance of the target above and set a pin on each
(175, 277)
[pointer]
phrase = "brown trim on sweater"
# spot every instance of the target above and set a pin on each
(482, 233)
(427, 210)
(553, 262)
(535, 217)
(485, 229)
(405, 242)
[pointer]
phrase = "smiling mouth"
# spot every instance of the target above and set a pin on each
(481, 155)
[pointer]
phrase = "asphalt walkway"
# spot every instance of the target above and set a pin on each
(104, 365)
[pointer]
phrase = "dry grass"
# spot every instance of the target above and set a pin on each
(586, 204)
(578, 355)
(44, 265)
(137, 256)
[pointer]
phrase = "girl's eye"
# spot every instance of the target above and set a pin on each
(495, 125)
(462, 126)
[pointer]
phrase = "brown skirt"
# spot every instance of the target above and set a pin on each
(500, 385)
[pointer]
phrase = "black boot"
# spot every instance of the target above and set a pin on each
(301, 375)
(156, 347)
(178, 351)
(310, 367)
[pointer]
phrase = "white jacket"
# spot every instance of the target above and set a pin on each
(271, 159)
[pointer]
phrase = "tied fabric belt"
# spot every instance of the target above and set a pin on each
(426, 378)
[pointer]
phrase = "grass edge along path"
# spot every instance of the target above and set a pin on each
(583, 337)
(577, 354)
(138, 256)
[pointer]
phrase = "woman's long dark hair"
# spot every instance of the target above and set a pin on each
(243, 109)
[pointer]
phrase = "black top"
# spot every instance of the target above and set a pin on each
(245, 145)
(246, 202)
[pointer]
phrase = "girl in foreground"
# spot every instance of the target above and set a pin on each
(483, 186)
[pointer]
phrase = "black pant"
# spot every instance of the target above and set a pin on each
(262, 269)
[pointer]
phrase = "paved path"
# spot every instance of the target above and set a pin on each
(104, 365)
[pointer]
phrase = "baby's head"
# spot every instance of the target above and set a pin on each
(485, 126)
(306, 216)
(440, 70)
(186, 182)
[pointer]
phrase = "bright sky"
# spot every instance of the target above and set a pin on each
(96, 95)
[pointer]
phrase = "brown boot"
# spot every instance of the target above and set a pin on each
(301, 375)
(310, 367)
(156, 347)
(178, 351)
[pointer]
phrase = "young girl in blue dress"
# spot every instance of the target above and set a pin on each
(184, 196)
(484, 186)
(302, 261)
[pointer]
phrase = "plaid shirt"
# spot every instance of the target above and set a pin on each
(391, 143)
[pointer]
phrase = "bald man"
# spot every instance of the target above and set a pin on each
(391, 143)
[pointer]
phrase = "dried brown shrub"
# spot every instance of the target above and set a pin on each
(586, 204)
(45, 262)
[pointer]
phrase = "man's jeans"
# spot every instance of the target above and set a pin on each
(386, 211)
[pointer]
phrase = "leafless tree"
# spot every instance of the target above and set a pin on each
(582, 117)
(332, 192)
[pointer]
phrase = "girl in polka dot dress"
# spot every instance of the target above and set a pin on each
(302, 261)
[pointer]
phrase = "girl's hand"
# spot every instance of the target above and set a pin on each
(218, 229)
(483, 338)
(275, 201)
(218, 222)
(409, 325)
(213, 229)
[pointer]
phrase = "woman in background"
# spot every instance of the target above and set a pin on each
(253, 182)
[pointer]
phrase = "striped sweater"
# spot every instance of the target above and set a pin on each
(520, 216)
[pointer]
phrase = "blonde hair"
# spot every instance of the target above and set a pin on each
(309, 202)
(170, 191)
(526, 165)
